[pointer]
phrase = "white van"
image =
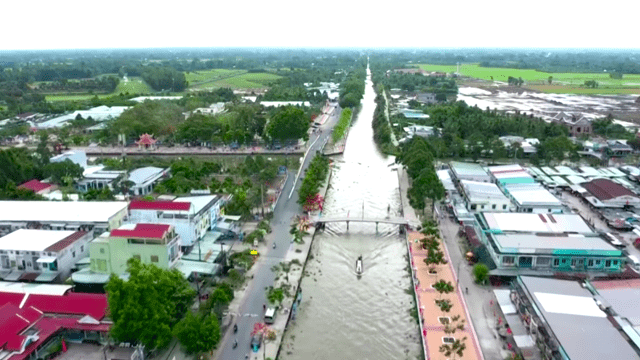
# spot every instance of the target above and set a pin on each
(634, 262)
(270, 315)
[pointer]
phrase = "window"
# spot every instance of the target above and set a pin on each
(529, 210)
(493, 206)
(598, 262)
(101, 250)
(73, 253)
(508, 260)
(590, 262)
(548, 210)
(543, 261)
(564, 261)
(154, 258)
(573, 262)
(473, 206)
(556, 262)
(607, 263)
(482, 207)
(615, 262)
(81, 248)
(504, 207)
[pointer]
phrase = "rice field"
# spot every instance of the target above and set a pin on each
(561, 82)
(235, 79)
(134, 85)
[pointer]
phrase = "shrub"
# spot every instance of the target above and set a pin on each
(480, 272)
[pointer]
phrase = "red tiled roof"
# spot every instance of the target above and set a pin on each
(160, 205)
(35, 185)
(60, 245)
(605, 189)
(145, 231)
(70, 303)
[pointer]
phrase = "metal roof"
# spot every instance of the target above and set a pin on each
(60, 211)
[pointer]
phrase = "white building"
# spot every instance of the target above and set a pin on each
(99, 113)
(469, 171)
(64, 215)
(533, 198)
(192, 216)
(41, 255)
(145, 178)
(95, 177)
(284, 103)
(480, 196)
(141, 99)
(76, 156)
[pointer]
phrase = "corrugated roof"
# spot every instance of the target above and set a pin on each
(66, 241)
(35, 185)
(160, 205)
(70, 303)
(145, 231)
(605, 189)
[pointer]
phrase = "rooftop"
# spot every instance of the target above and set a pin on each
(478, 191)
(70, 303)
(468, 169)
(581, 328)
(554, 244)
(39, 240)
(198, 202)
(60, 211)
(532, 194)
(144, 231)
(142, 175)
(35, 185)
(540, 223)
(605, 189)
(159, 205)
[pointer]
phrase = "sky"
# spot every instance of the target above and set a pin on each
(72, 24)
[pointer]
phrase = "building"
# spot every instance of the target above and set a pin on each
(64, 215)
(420, 130)
(577, 125)
(141, 99)
(528, 146)
(468, 171)
(618, 148)
(41, 255)
(569, 320)
(545, 244)
(156, 244)
(606, 193)
(411, 71)
(510, 174)
(426, 98)
(284, 103)
(213, 109)
(38, 187)
(99, 113)
(32, 323)
(96, 178)
(144, 179)
(533, 198)
(192, 216)
(481, 196)
(76, 156)
(147, 142)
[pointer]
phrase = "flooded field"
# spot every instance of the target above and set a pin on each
(543, 105)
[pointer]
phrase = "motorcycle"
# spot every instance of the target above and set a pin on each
(274, 245)
(235, 328)
(235, 344)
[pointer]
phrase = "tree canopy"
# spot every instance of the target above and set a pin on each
(146, 307)
(288, 123)
(160, 118)
(198, 333)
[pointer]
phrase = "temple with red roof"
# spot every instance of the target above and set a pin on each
(146, 141)
(31, 323)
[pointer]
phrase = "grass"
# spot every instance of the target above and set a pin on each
(234, 79)
(73, 97)
(135, 85)
(561, 83)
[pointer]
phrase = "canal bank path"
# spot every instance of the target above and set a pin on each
(248, 305)
(430, 314)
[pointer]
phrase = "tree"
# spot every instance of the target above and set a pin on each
(64, 172)
(289, 122)
(480, 273)
(550, 79)
(147, 306)
(99, 195)
(217, 301)
(458, 346)
(443, 287)
(275, 296)
(198, 334)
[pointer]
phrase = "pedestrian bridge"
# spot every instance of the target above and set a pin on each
(321, 221)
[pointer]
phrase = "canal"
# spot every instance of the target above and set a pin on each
(343, 316)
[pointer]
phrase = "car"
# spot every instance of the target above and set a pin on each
(256, 340)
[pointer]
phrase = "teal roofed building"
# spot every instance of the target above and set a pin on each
(545, 244)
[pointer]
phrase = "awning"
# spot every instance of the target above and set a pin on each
(504, 300)
(13, 276)
(232, 217)
(46, 259)
(58, 225)
(189, 267)
(46, 277)
(524, 341)
(29, 276)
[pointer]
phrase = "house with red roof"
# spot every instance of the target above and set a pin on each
(32, 324)
(157, 244)
(42, 255)
(192, 216)
(38, 187)
(606, 193)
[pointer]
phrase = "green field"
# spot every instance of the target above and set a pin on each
(235, 79)
(135, 85)
(562, 82)
(73, 97)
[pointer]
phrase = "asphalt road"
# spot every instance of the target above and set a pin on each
(251, 309)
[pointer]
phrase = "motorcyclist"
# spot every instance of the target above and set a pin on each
(274, 245)
(235, 327)
(235, 343)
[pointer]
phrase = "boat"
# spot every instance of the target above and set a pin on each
(359, 265)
